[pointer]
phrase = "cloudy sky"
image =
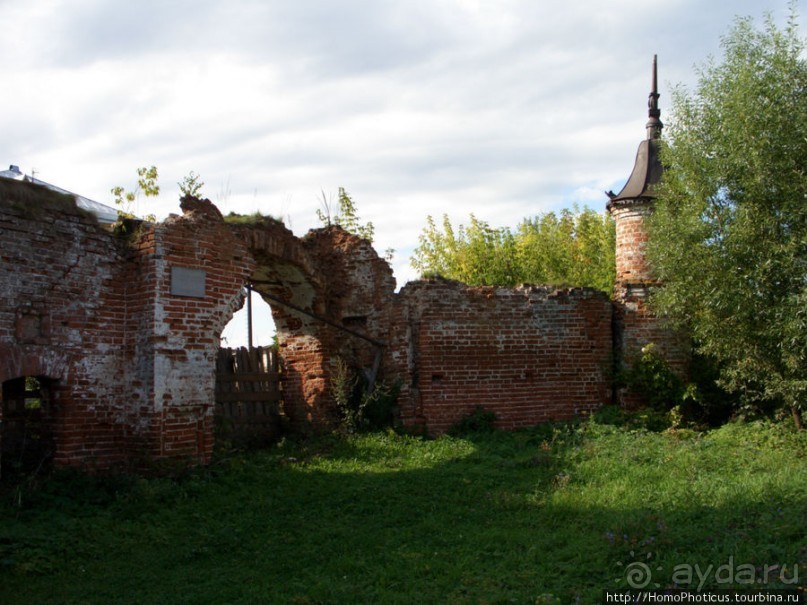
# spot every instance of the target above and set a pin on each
(501, 108)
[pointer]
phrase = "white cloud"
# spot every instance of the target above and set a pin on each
(503, 109)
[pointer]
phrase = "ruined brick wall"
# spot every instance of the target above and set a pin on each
(286, 276)
(356, 293)
(527, 354)
(127, 328)
(315, 285)
(129, 360)
(61, 313)
(192, 270)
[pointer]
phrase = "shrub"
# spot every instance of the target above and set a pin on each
(359, 407)
(479, 420)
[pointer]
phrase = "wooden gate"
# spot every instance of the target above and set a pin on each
(248, 395)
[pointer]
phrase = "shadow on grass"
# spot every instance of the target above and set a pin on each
(495, 518)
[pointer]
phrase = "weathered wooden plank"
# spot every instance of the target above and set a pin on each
(249, 377)
(267, 396)
(248, 391)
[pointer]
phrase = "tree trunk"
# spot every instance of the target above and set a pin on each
(796, 417)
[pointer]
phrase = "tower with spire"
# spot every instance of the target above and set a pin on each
(636, 326)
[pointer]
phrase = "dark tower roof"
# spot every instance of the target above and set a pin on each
(647, 169)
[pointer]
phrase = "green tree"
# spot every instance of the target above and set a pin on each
(146, 185)
(728, 237)
(476, 254)
(575, 249)
(346, 216)
(191, 184)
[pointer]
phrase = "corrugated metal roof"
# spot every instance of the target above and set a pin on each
(105, 214)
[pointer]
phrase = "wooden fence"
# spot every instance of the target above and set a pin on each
(248, 395)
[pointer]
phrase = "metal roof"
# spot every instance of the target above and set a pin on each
(646, 174)
(647, 169)
(105, 214)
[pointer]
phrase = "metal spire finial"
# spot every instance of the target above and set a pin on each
(654, 124)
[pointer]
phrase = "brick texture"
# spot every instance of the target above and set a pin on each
(527, 354)
(125, 328)
(635, 323)
(130, 364)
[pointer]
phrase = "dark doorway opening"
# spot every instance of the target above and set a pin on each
(26, 431)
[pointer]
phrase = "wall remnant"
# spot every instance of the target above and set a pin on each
(93, 313)
(124, 329)
(528, 354)
(327, 280)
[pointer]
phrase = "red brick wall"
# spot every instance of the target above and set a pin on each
(527, 354)
(632, 265)
(132, 364)
(183, 338)
(60, 317)
(133, 359)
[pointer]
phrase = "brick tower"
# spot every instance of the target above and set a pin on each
(636, 326)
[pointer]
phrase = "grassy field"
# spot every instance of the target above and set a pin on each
(554, 514)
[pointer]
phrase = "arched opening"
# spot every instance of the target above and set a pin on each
(252, 325)
(329, 295)
(249, 405)
(26, 431)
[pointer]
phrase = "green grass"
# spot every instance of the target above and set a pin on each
(382, 518)
(255, 218)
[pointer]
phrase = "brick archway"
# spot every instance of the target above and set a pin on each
(314, 290)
